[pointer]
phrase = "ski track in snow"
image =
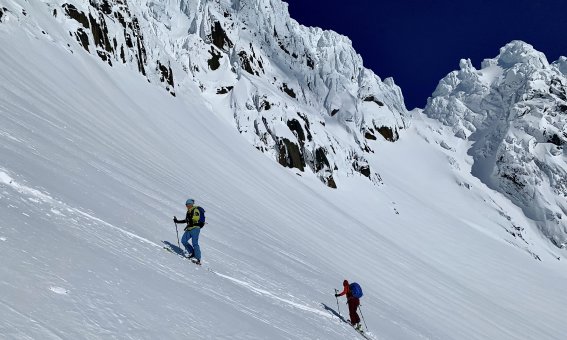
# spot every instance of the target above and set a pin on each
(267, 293)
(38, 196)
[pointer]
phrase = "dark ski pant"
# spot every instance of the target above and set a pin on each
(353, 304)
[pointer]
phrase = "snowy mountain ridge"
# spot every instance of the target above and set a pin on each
(514, 112)
(301, 95)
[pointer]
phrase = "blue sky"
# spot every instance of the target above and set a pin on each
(419, 42)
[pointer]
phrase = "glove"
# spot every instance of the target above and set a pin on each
(175, 219)
(336, 295)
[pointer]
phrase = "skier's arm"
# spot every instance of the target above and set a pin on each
(188, 218)
(180, 221)
(345, 290)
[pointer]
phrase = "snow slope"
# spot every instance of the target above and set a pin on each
(95, 161)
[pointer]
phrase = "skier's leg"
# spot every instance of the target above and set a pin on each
(356, 316)
(352, 307)
(185, 242)
(195, 240)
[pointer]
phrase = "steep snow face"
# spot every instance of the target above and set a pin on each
(514, 111)
(300, 95)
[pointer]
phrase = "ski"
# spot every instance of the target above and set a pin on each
(192, 259)
(175, 253)
(342, 319)
(361, 332)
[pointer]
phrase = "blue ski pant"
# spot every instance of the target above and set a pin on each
(194, 249)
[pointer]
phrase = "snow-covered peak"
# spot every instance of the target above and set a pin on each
(513, 111)
(561, 65)
(519, 52)
(466, 64)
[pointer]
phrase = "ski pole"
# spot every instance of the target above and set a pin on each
(177, 232)
(339, 308)
(360, 309)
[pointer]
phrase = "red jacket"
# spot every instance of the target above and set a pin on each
(346, 289)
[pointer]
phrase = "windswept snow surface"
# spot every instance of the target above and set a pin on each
(95, 161)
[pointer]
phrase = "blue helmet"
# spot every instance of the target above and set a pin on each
(190, 201)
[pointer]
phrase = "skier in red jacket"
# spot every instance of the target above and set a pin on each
(353, 304)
